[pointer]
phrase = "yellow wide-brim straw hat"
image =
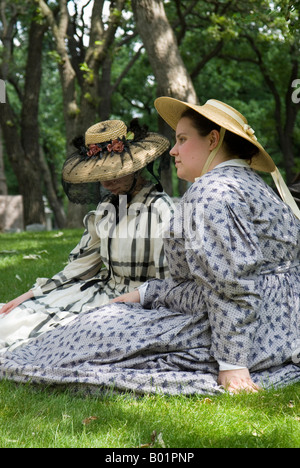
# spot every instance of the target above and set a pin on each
(228, 118)
(113, 153)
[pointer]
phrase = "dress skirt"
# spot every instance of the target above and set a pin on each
(233, 296)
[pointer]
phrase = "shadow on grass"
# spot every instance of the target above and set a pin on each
(50, 248)
(55, 417)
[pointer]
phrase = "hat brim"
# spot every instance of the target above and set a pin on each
(171, 110)
(114, 165)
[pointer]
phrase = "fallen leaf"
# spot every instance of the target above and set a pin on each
(150, 444)
(160, 440)
(153, 437)
(59, 234)
(88, 420)
(206, 401)
(6, 252)
(31, 257)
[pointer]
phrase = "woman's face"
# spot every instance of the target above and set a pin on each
(119, 186)
(191, 150)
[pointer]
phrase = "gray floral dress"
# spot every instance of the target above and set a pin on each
(233, 296)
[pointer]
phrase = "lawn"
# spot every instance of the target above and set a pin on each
(44, 417)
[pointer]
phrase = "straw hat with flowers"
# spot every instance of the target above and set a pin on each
(112, 151)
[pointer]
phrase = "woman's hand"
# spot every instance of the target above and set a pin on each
(15, 303)
(236, 381)
(133, 296)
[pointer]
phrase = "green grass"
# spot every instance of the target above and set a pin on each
(30, 417)
(44, 417)
(50, 252)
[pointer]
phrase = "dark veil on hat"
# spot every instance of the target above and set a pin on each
(109, 151)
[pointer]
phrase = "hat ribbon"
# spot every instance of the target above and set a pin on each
(284, 192)
(277, 177)
(247, 129)
(214, 152)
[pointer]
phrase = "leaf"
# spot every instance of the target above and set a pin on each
(206, 401)
(155, 439)
(59, 234)
(32, 257)
(36, 256)
(160, 440)
(7, 252)
(130, 136)
(88, 420)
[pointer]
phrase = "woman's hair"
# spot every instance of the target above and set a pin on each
(234, 144)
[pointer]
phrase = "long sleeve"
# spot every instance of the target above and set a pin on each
(225, 255)
(161, 212)
(84, 261)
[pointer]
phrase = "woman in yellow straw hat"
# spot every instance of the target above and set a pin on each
(121, 246)
(228, 316)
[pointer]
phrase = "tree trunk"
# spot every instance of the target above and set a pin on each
(33, 201)
(170, 72)
(284, 115)
(3, 185)
(23, 150)
(162, 49)
(79, 118)
(54, 202)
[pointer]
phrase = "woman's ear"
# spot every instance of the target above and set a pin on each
(214, 138)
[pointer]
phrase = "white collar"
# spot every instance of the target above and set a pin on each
(231, 162)
(234, 162)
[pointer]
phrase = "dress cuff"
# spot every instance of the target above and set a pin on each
(37, 291)
(224, 366)
(142, 290)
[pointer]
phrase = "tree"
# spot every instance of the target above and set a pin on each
(129, 52)
(3, 184)
(82, 68)
(22, 136)
(269, 44)
(170, 72)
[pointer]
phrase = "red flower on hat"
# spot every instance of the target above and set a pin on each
(116, 146)
(94, 149)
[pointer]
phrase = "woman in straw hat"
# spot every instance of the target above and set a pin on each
(121, 246)
(228, 317)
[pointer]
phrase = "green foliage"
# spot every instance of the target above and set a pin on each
(88, 73)
(136, 93)
(256, 43)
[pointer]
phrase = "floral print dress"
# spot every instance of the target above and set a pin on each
(233, 249)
